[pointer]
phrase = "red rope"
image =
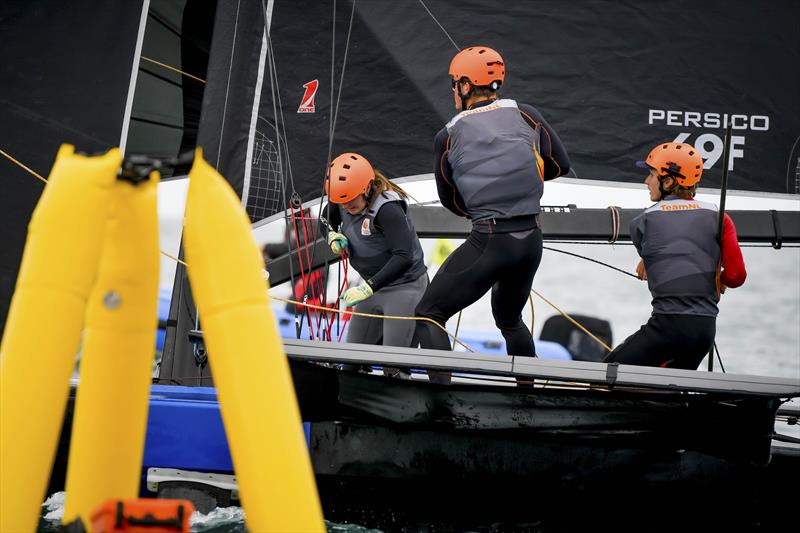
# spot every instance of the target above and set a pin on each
(302, 271)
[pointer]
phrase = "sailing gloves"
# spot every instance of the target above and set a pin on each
(337, 242)
(353, 295)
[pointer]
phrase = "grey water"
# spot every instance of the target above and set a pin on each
(758, 329)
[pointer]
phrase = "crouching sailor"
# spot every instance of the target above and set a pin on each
(373, 227)
(677, 241)
(490, 164)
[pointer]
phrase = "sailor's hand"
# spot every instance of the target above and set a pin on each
(353, 295)
(641, 273)
(337, 242)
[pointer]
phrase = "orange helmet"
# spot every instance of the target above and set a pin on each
(480, 65)
(349, 175)
(678, 160)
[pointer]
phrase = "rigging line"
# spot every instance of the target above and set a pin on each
(274, 73)
(177, 260)
(333, 82)
(592, 260)
(437, 23)
(458, 324)
(599, 243)
(31, 171)
(533, 314)
(756, 245)
(789, 163)
(35, 174)
(228, 83)
(341, 81)
(169, 67)
(281, 174)
(335, 116)
(719, 357)
(370, 315)
(575, 322)
(160, 77)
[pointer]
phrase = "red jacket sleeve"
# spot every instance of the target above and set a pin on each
(733, 272)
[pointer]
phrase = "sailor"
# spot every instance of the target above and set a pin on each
(680, 259)
(490, 163)
(369, 221)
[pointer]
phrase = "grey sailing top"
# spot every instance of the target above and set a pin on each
(677, 241)
(371, 252)
(491, 160)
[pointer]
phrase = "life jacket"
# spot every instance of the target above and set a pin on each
(368, 249)
(677, 241)
(495, 159)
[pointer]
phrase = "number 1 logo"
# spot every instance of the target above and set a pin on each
(307, 101)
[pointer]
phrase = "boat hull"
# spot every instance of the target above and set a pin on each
(388, 452)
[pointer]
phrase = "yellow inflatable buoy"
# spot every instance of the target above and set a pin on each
(108, 430)
(442, 249)
(42, 332)
(254, 384)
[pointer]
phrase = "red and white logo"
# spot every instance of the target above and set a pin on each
(307, 102)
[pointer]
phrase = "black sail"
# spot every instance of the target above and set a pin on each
(65, 78)
(613, 77)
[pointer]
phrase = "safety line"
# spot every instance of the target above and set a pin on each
(33, 172)
(168, 67)
(369, 315)
(575, 322)
(592, 260)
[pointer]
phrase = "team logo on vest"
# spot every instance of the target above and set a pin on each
(307, 101)
(365, 227)
(679, 207)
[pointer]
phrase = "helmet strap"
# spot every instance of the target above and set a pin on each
(666, 192)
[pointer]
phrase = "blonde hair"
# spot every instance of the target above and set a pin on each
(381, 184)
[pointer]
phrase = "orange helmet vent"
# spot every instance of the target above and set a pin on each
(480, 65)
(678, 160)
(348, 176)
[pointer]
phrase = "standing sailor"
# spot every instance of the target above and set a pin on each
(374, 229)
(677, 240)
(490, 163)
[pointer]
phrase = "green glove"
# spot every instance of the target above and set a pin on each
(337, 242)
(353, 295)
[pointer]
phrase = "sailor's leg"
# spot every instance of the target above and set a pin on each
(365, 330)
(401, 300)
(512, 290)
(462, 279)
(647, 347)
(694, 338)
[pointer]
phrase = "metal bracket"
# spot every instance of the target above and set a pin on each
(162, 475)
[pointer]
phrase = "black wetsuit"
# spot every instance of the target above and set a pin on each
(501, 254)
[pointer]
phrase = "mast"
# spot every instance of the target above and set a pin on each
(723, 191)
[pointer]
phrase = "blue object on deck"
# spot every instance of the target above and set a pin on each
(481, 341)
(185, 431)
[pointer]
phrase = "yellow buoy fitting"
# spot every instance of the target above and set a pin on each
(254, 384)
(43, 329)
